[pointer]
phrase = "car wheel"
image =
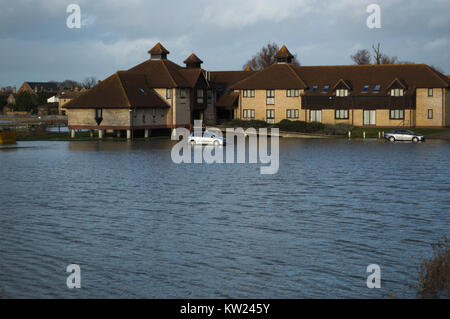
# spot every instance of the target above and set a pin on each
(216, 143)
(392, 139)
(415, 139)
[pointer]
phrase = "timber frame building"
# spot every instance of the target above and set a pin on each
(159, 93)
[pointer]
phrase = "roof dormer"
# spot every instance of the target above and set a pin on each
(158, 52)
(284, 56)
(193, 62)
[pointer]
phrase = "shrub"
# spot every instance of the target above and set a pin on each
(434, 273)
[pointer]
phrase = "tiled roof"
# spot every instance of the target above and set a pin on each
(193, 59)
(228, 100)
(121, 90)
(276, 76)
(158, 49)
(224, 79)
(47, 86)
(166, 74)
(357, 76)
(284, 53)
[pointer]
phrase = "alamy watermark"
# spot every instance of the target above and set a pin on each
(374, 279)
(74, 19)
(374, 19)
(74, 279)
(258, 147)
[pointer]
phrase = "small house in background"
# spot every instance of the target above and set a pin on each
(11, 100)
(65, 96)
(37, 87)
(53, 99)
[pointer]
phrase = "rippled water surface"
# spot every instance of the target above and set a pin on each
(141, 226)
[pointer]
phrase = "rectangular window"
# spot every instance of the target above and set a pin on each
(168, 93)
(341, 114)
(430, 114)
(397, 114)
(370, 118)
(292, 114)
(292, 93)
(249, 114)
(183, 93)
(315, 116)
(270, 115)
(397, 92)
(430, 92)
(200, 94)
(270, 97)
(249, 93)
(342, 92)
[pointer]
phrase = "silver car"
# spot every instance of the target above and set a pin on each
(404, 135)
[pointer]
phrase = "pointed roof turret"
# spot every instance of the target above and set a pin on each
(158, 52)
(193, 62)
(284, 56)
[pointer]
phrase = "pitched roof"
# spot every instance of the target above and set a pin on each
(47, 86)
(158, 49)
(121, 90)
(411, 75)
(224, 79)
(284, 53)
(192, 59)
(227, 99)
(276, 76)
(166, 74)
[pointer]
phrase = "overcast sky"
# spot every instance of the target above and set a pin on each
(36, 44)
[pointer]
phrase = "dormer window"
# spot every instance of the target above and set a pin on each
(397, 92)
(342, 92)
(292, 93)
(365, 89)
(325, 89)
(314, 89)
(377, 88)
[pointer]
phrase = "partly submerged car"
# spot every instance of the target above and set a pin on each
(404, 135)
(208, 137)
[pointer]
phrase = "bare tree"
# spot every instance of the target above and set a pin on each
(266, 57)
(89, 82)
(377, 54)
(362, 57)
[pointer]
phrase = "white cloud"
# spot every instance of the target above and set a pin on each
(238, 14)
(437, 44)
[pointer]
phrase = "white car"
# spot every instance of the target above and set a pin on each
(208, 137)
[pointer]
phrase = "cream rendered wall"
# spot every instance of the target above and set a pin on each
(282, 104)
(86, 117)
(424, 103)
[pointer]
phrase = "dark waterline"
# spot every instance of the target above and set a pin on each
(141, 226)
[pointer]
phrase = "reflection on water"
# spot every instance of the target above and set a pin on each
(141, 226)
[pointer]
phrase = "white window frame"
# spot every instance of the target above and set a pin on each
(315, 116)
(270, 97)
(369, 117)
(342, 92)
(292, 113)
(341, 115)
(248, 114)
